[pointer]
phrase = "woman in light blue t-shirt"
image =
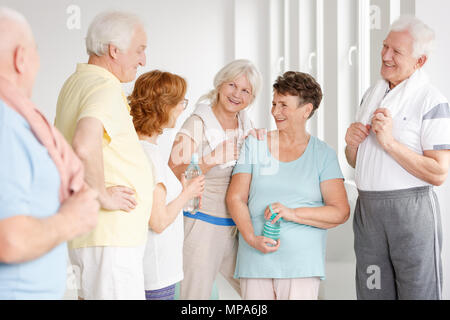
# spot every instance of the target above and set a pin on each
(299, 178)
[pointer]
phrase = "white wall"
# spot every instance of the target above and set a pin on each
(195, 38)
(190, 38)
(435, 14)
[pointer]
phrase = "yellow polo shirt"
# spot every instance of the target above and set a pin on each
(93, 91)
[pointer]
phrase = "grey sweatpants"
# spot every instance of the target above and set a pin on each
(398, 241)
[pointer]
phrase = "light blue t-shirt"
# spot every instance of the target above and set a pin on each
(294, 184)
(29, 185)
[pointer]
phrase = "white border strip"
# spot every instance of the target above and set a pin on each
(436, 242)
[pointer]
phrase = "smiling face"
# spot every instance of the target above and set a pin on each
(398, 62)
(129, 61)
(288, 113)
(235, 95)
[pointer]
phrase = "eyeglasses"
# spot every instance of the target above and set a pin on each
(185, 103)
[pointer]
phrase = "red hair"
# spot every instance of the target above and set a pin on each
(154, 95)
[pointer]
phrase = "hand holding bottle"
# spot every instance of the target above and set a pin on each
(282, 212)
(194, 187)
(193, 171)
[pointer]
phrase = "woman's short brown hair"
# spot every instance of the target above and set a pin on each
(154, 95)
(301, 85)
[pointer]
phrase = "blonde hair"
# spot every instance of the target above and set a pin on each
(229, 73)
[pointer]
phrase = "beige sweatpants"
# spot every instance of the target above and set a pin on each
(280, 289)
(208, 249)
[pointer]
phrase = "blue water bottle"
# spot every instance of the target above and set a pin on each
(270, 230)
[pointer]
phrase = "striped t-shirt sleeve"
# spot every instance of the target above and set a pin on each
(435, 133)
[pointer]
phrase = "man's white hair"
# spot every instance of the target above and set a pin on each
(111, 27)
(14, 29)
(422, 34)
(10, 14)
(229, 73)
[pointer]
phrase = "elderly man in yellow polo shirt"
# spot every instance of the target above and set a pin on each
(93, 114)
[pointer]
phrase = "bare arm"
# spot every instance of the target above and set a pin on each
(335, 212)
(184, 147)
(164, 215)
(88, 145)
(180, 156)
(350, 155)
(431, 167)
(237, 197)
(24, 238)
(355, 135)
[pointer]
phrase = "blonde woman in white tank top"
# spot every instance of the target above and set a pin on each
(215, 131)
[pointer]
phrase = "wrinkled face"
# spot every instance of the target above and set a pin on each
(287, 112)
(129, 61)
(235, 95)
(398, 63)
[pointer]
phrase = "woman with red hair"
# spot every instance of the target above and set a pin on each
(157, 100)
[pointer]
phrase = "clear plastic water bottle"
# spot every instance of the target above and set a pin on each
(270, 230)
(193, 171)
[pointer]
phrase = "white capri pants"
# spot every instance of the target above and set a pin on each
(109, 273)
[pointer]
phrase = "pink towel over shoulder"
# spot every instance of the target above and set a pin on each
(68, 164)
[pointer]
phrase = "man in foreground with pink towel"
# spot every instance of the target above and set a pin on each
(44, 200)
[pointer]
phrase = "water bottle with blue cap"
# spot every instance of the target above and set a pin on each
(272, 230)
(193, 171)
